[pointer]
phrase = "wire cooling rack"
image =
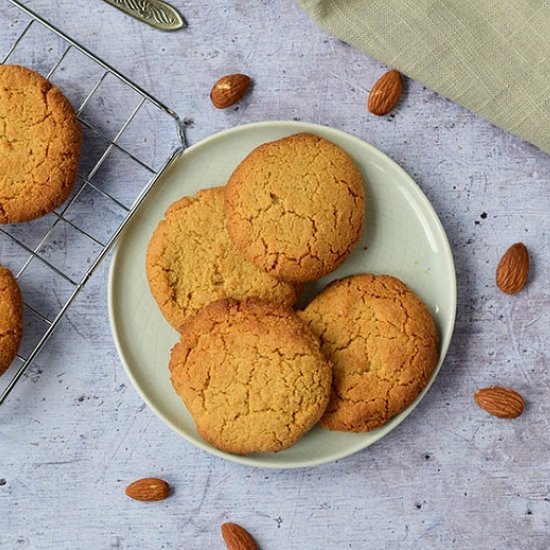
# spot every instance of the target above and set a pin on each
(129, 139)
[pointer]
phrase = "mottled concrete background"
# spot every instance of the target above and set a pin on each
(75, 432)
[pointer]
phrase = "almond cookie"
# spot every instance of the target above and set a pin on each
(295, 207)
(191, 261)
(251, 374)
(383, 343)
(40, 142)
(11, 318)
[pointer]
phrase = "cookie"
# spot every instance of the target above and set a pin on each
(40, 141)
(11, 318)
(295, 207)
(383, 343)
(191, 261)
(251, 374)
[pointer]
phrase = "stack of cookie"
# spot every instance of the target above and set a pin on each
(226, 268)
(40, 141)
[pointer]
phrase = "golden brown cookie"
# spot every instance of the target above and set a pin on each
(191, 261)
(251, 374)
(40, 142)
(295, 207)
(383, 343)
(11, 318)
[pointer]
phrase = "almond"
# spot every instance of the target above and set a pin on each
(148, 489)
(513, 269)
(229, 89)
(237, 538)
(385, 93)
(500, 402)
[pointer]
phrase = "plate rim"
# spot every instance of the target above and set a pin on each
(392, 423)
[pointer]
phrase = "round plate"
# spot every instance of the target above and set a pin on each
(403, 237)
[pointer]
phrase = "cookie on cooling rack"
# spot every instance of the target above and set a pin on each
(383, 344)
(40, 140)
(11, 318)
(251, 374)
(295, 207)
(191, 261)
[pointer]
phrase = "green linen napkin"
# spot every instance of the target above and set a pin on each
(491, 56)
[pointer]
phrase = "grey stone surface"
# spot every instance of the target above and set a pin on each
(74, 433)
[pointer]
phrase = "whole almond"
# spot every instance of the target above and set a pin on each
(385, 93)
(148, 489)
(229, 89)
(500, 402)
(237, 538)
(513, 269)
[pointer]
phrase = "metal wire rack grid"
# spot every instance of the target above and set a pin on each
(33, 253)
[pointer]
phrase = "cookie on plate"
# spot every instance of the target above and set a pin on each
(295, 207)
(251, 374)
(40, 141)
(191, 261)
(11, 318)
(383, 344)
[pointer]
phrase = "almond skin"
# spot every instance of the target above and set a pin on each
(229, 89)
(500, 402)
(513, 269)
(385, 93)
(148, 489)
(237, 538)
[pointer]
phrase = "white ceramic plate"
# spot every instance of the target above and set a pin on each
(403, 236)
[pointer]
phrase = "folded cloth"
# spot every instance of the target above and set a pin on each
(492, 57)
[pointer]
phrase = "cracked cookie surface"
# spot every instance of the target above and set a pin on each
(382, 342)
(295, 207)
(40, 140)
(191, 261)
(251, 374)
(11, 318)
